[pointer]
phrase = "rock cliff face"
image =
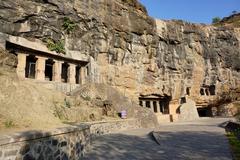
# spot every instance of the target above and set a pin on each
(131, 51)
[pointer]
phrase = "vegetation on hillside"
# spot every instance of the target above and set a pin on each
(58, 46)
(235, 145)
(233, 135)
(232, 21)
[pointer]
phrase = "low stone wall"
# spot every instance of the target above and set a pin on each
(64, 143)
(101, 128)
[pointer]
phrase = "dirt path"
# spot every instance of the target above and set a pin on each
(200, 140)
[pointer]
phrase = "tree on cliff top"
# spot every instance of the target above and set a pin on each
(216, 20)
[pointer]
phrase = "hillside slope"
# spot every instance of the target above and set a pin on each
(232, 21)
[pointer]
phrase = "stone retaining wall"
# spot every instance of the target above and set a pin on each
(101, 128)
(65, 143)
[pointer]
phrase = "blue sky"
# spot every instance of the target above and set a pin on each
(198, 11)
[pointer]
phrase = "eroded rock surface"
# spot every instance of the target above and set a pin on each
(101, 94)
(133, 52)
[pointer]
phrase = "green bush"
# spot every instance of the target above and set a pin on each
(56, 46)
(67, 103)
(216, 20)
(9, 124)
(234, 145)
(86, 98)
(68, 25)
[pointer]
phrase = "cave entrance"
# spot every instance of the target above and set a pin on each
(155, 107)
(30, 70)
(148, 104)
(212, 90)
(158, 104)
(202, 92)
(49, 70)
(78, 79)
(164, 105)
(183, 100)
(204, 112)
(64, 74)
(188, 90)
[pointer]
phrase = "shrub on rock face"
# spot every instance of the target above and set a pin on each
(57, 46)
(68, 25)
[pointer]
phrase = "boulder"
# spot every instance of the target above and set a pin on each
(188, 111)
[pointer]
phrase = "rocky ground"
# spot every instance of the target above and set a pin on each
(202, 139)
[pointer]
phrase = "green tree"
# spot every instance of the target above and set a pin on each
(234, 12)
(216, 20)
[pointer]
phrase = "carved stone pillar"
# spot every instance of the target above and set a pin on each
(40, 68)
(158, 107)
(144, 104)
(82, 75)
(57, 71)
(72, 74)
(21, 66)
(152, 106)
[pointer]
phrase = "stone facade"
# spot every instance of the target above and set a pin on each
(163, 107)
(65, 143)
(43, 65)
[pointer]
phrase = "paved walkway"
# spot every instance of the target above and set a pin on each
(200, 140)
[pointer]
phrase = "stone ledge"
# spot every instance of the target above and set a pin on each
(61, 143)
(32, 135)
(112, 121)
(107, 127)
(97, 128)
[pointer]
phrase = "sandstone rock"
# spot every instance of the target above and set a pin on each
(229, 110)
(7, 61)
(188, 111)
(118, 102)
(131, 51)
